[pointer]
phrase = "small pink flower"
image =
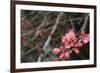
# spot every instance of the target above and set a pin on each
(67, 54)
(61, 47)
(76, 45)
(69, 39)
(39, 32)
(76, 51)
(70, 35)
(56, 51)
(80, 44)
(61, 57)
(67, 45)
(85, 37)
(64, 39)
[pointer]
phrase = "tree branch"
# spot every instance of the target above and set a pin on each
(50, 36)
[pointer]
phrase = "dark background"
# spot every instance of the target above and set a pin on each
(32, 43)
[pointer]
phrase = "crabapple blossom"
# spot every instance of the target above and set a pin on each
(62, 56)
(67, 54)
(85, 37)
(56, 51)
(76, 50)
(61, 47)
(80, 44)
(70, 35)
(71, 41)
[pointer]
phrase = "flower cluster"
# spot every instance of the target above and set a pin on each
(71, 41)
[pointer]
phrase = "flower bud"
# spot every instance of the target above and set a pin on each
(61, 57)
(84, 37)
(56, 51)
(61, 47)
(80, 44)
(76, 51)
(67, 54)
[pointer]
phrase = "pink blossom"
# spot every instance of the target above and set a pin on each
(70, 35)
(39, 32)
(85, 37)
(56, 51)
(76, 50)
(69, 39)
(80, 44)
(61, 47)
(61, 57)
(67, 54)
(67, 45)
(64, 39)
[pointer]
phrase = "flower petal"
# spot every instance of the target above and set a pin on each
(76, 51)
(67, 54)
(61, 57)
(56, 51)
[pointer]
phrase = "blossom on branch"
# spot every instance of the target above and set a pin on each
(71, 41)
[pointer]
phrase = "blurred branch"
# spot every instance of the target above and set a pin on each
(72, 19)
(50, 36)
(40, 26)
(84, 24)
(32, 49)
(53, 30)
(72, 24)
(24, 34)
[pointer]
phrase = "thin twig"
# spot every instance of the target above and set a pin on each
(84, 24)
(72, 24)
(40, 26)
(50, 36)
(24, 34)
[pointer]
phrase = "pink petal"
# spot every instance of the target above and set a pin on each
(80, 44)
(76, 51)
(86, 41)
(67, 45)
(67, 54)
(63, 39)
(56, 51)
(61, 57)
(76, 45)
(61, 47)
(85, 37)
(71, 33)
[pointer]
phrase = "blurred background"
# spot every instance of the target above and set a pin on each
(41, 31)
